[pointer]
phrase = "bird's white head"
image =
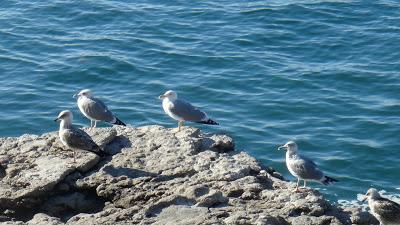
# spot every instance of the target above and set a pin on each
(84, 92)
(290, 146)
(171, 95)
(372, 193)
(64, 115)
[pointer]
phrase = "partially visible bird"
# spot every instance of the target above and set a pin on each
(302, 167)
(182, 111)
(387, 212)
(94, 109)
(74, 138)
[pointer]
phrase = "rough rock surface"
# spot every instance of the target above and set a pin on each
(152, 176)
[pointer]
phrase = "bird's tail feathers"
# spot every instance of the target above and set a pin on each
(328, 180)
(208, 121)
(119, 122)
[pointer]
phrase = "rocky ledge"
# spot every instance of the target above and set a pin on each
(152, 176)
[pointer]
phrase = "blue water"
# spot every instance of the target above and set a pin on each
(324, 73)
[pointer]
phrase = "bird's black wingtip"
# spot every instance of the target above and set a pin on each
(209, 122)
(329, 180)
(119, 122)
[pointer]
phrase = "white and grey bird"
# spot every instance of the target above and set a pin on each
(182, 111)
(302, 167)
(387, 212)
(74, 138)
(94, 109)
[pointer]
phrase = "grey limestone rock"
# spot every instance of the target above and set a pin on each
(154, 175)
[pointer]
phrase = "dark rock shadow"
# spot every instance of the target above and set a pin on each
(208, 143)
(129, 172)
(19, 214)
(271, 171)
(117, 144)
(65, 206)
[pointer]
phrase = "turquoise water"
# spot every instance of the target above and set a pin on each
(324, 73)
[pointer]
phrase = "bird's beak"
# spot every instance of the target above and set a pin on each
(161, 96)
(56, 119)
(364, 198)
(282, 147)
(75, 95)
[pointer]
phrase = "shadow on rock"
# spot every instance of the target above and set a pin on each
(218, 143)
(117, 144)
(129, 172)
(68, 205)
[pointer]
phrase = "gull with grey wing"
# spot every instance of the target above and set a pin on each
(302, 167)
(74, 138)
(95, 110)
(182, 111)
(387, 212)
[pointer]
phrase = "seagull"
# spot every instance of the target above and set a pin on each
(94, 109)
(385, 210)
(75, 138)
(182, 111)
(302, 167)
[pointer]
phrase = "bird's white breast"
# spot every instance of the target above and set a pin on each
(167, 105)
(81, 101)
(372, 206)
(289, 160)
(62, 138)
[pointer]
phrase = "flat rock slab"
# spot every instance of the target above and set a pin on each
(36, 164)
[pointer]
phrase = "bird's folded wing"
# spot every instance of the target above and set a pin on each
(187, 111)
(78, 139)
(387, 208)
(306, 169)
(98, 110)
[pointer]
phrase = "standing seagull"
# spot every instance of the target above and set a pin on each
(182, 111)
(385, 210)
(94, 109)
(75, 138)
(303, 168)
